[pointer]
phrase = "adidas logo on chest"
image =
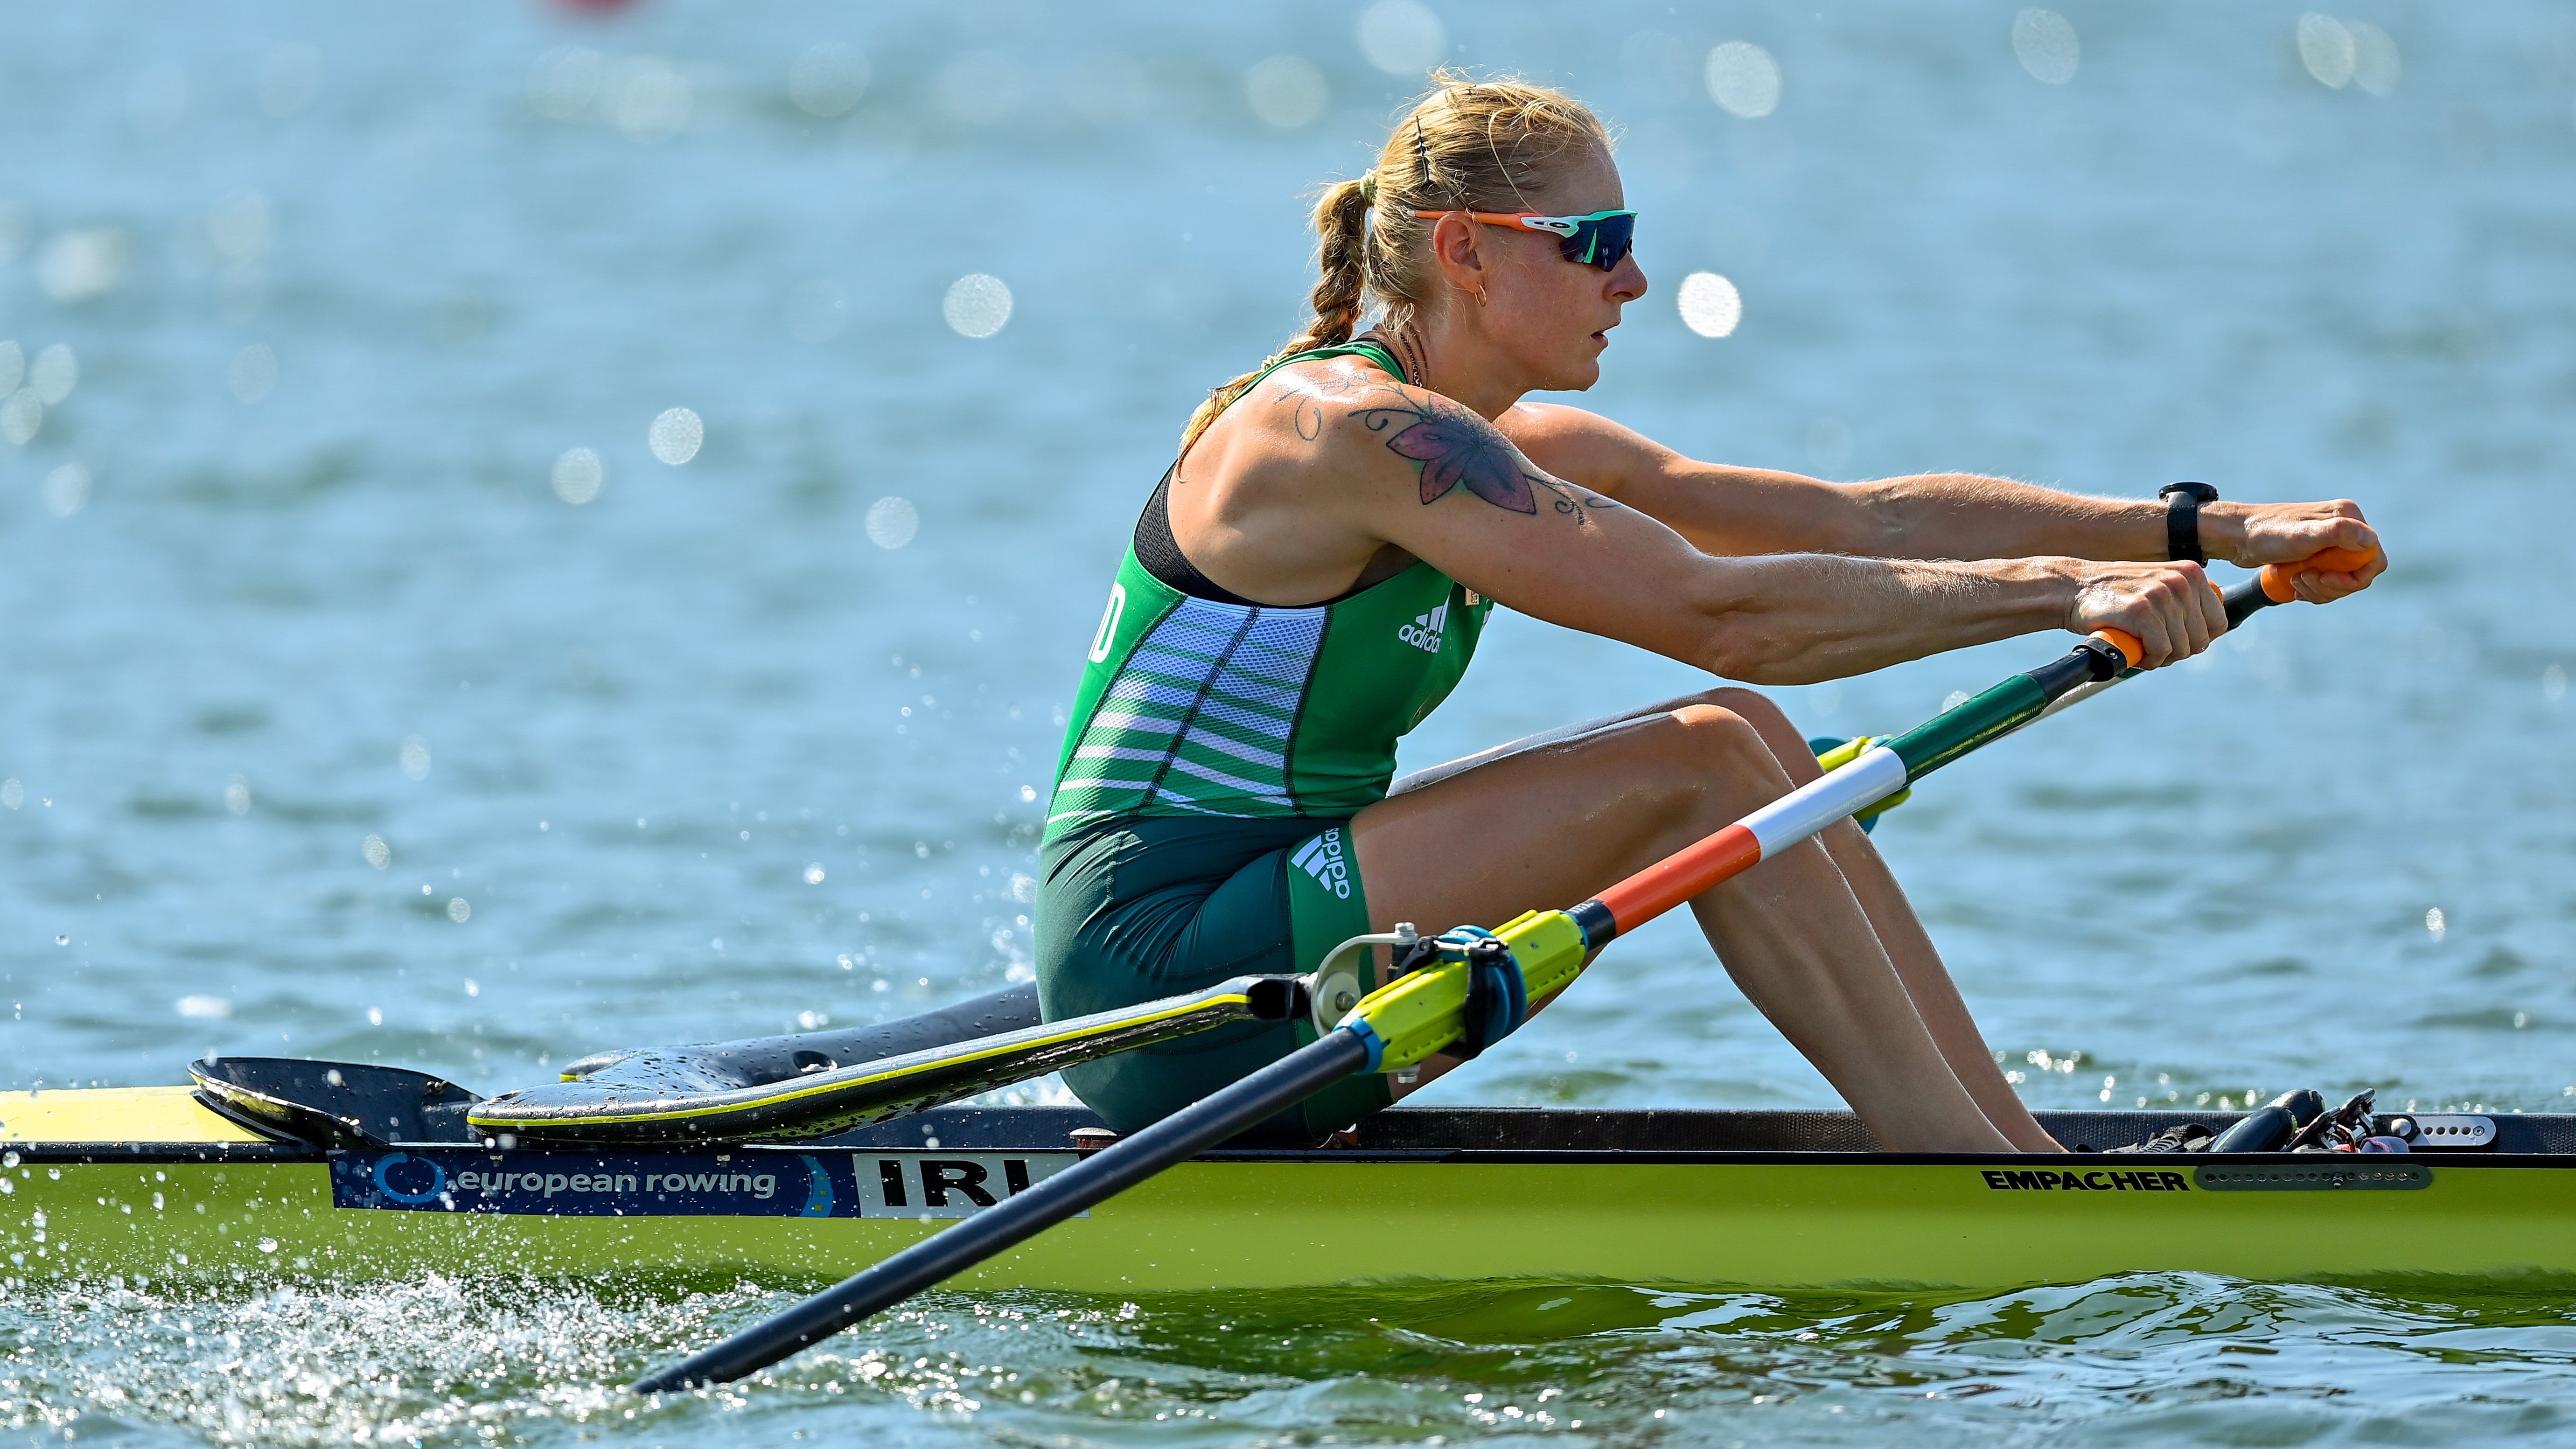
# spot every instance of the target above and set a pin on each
(1424, 632)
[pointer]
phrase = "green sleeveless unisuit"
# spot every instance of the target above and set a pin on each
(1215, 752)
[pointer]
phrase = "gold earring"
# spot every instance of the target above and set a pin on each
(1481, 298)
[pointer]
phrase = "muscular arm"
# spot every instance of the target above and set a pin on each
(1418, 471)
(1726, 510)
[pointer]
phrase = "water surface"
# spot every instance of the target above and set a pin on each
(738, 746)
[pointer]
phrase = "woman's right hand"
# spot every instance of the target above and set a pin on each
(2172, 609)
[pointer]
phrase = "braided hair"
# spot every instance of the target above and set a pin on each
(1466, 145)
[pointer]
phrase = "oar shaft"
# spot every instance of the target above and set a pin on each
(1185, 1134)
(2252, 596)
(1877, 774)
(2084, 672)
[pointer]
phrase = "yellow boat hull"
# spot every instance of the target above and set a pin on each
(148, 1184)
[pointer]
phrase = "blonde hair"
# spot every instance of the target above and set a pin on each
(1467, 145)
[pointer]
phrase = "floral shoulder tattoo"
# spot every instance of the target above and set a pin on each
(1453, 448)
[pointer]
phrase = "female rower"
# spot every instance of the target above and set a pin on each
(1309, 578)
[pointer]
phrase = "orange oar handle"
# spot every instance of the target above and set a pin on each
(2277, 577)
(2124, 641)
(2127, 643)
(2272, 586)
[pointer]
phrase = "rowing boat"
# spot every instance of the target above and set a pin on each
(155, 1184)
(794, 1155)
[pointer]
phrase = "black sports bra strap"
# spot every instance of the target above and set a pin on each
(1160, 552)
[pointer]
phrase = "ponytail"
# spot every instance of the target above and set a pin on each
(1467, 144)
(1341, 220)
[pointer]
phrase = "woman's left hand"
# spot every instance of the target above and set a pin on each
(2254, 534)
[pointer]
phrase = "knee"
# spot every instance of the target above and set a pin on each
(1757, 710)
(1717, 737)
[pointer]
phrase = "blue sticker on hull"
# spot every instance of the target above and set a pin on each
(749, 1182)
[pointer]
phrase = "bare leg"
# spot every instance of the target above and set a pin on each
(1555, 824)
(1900, 931)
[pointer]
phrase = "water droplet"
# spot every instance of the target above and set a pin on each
(268, 1245)
(579, 475)
(252, 374)
(21, 414)
(1743, 79)
(375, 852)
(976, 305)
(653, 101)
(54, 374)
(413, 757)
(892, 522)
(66, 490)
(10, 1158)
(2326, 49)
(62, 940)
(2045, 44)
(1286, 91)
(238, 227)
(375, 1016)
(2436, 923)
(828, 78)
(2375, 64)
(459, 910)
(1402, 37)
(205, 1008)
(814, 874)
(237, 795)
(78, 265)
(473, 987)
(675, 435)
(1710, 305)
(563, 82)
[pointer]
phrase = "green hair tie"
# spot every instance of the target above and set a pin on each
(1368, 188)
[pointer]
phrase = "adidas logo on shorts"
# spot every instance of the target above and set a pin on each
(1424, 632)
(1322, 858)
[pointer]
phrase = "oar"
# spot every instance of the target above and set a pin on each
(2271, 586)
(1427, 1010)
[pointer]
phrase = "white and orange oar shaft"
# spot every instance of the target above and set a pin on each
(2094, 665)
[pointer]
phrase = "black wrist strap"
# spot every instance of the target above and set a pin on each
(2182, 519)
